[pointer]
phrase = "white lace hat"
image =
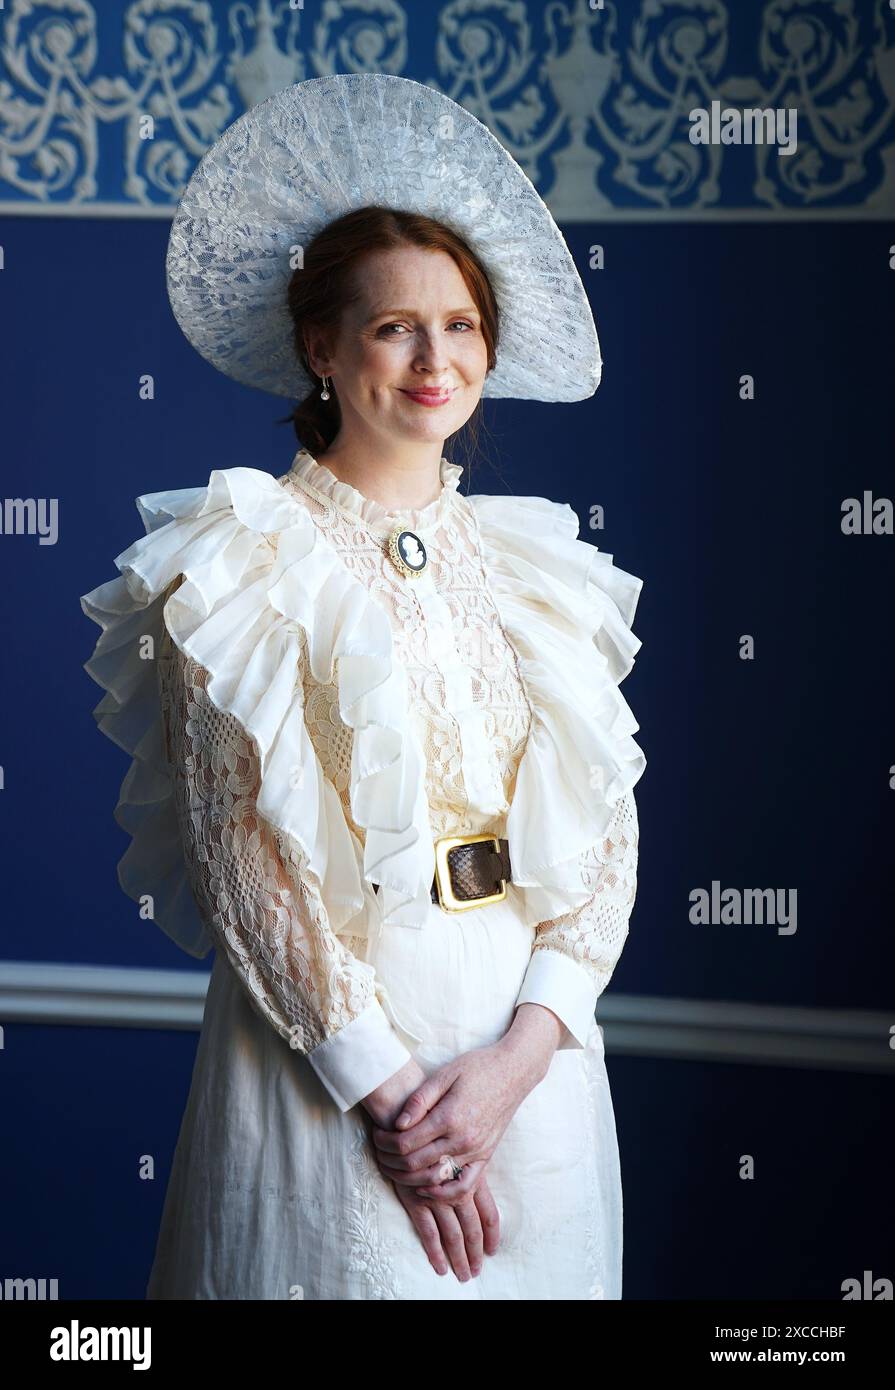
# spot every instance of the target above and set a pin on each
(318, 149)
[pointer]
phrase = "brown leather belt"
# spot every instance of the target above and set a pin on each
(470, 871)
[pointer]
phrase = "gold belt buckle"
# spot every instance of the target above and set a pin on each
(446, 896)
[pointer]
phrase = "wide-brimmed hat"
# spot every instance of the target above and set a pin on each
(319, 149)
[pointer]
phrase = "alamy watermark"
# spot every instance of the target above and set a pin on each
(751, 126)
(30, 516)
(717, 906)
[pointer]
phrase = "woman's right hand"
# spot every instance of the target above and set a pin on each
(455, 1236)
(384, 1104)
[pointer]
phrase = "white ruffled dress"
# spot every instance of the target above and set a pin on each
(304, 722)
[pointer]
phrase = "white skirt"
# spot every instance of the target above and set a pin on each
(274, 1193)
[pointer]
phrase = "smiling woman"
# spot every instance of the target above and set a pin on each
(429, 358)
(382, 764)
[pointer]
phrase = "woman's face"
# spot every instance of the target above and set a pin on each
(410, 360)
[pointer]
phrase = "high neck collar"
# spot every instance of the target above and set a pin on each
(319, 478)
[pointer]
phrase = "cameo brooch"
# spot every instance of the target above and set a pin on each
(407, 552)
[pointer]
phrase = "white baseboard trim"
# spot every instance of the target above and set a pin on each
(640, 1025)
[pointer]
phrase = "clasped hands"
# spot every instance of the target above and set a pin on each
(461, 1111)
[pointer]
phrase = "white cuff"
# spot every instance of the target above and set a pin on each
(357, 1059)
(563, 986)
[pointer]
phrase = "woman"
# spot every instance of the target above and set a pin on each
(381, 761)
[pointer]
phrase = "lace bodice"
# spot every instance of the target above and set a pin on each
(315, 719)
(472, 718)
(467, 701)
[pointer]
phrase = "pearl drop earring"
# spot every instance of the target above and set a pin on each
(324, 394)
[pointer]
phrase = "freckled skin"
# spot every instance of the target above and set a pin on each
(389, 446)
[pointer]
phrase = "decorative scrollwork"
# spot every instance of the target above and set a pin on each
(595, 106)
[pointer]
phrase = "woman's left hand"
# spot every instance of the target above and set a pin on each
(462, 1110)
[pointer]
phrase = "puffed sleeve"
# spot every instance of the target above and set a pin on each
(574, 955)
(258, 907)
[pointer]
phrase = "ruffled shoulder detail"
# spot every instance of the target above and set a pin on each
(262, 593)
(567, 611)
